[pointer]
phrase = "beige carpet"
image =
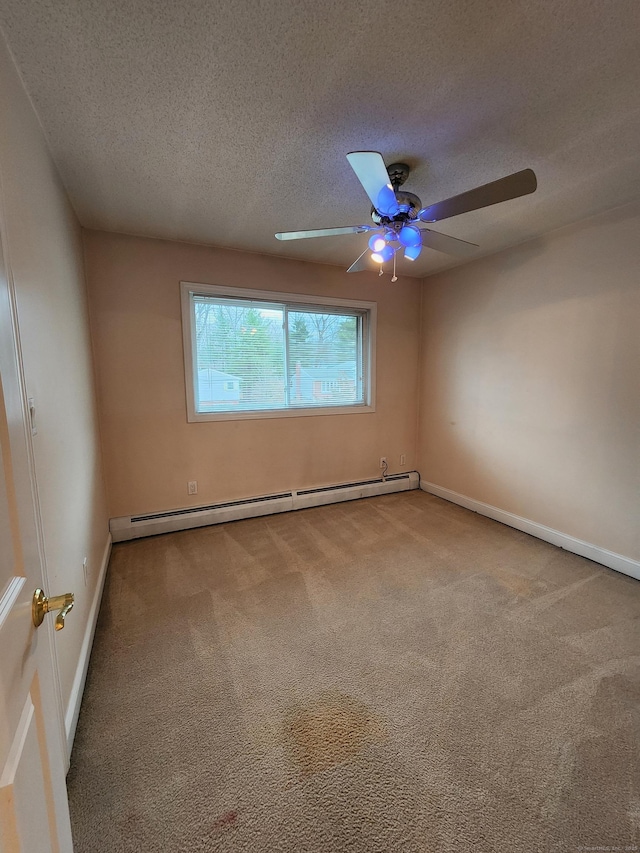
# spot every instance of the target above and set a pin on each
(395, 674)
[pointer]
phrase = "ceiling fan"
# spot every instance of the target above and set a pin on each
(397, 214)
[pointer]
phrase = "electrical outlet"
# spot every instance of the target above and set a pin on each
(85, 571)
(403, 459)
(192, 487)
(383, 461)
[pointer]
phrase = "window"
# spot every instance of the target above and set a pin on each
(251, 353)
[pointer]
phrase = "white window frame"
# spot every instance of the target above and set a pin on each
(369, 317)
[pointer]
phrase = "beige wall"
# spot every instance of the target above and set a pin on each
(44, 252)
(151, 451)
(530, 381)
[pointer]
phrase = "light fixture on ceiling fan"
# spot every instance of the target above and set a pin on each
(397, 214)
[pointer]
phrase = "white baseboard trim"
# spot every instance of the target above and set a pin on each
(77, 689)
(577, 546)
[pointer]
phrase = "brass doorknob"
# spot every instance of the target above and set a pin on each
(41, 605)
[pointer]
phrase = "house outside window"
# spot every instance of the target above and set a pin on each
(252, 353)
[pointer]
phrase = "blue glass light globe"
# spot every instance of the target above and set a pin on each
(377, 242)
(383, 255)
(412, 252)
(410, 236)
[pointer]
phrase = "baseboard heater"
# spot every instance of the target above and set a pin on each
(150, 524)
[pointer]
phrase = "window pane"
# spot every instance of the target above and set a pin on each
(240, 356)
(324, 359)
(254, 356)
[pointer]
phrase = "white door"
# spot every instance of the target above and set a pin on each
(34, 813)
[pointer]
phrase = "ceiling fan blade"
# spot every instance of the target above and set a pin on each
(372, 174)
(513, 186)
(324, 232)
(361, 263)
(448, 245)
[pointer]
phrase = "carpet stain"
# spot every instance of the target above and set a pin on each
(226, 819)
(330, 731)
(517, 584)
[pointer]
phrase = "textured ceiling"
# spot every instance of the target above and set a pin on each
(222, 122)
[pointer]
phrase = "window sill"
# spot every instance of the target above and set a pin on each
(201, 417)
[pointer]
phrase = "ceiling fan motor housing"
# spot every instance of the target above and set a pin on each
(409, 203)
(398, 174)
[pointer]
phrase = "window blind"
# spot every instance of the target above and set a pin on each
(253, 355)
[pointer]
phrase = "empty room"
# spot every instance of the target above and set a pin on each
(320, 426)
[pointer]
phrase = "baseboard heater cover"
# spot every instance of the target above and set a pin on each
(193, 509)
(151, 524)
